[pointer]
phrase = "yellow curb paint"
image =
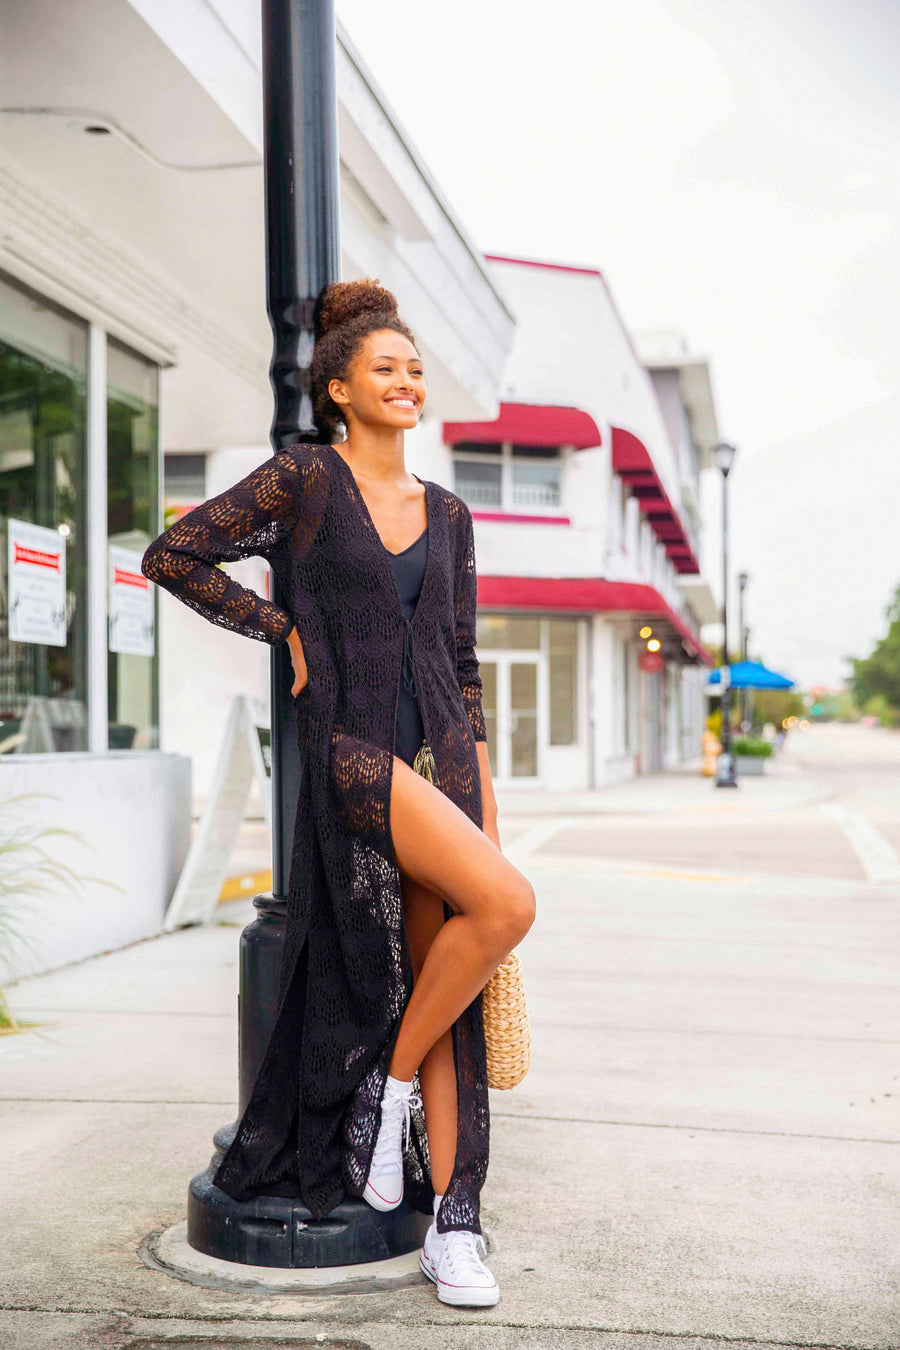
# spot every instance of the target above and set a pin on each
(245, 884)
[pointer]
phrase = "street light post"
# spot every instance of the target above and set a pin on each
(302, 181)
(743, 578)
(723, 457)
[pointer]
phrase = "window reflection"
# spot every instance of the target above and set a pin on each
(43, 670)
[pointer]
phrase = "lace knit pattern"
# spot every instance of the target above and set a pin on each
(309, 1127)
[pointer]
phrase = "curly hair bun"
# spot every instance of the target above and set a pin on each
(345, 300)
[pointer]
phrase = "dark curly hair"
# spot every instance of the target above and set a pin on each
(345, 314)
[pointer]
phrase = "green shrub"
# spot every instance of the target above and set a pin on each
(751, 745)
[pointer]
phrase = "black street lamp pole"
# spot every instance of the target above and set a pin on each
(743, 578)
(302, 181)
(303, 255)
(723, 456)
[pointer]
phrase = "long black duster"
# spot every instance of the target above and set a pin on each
(309, 1127)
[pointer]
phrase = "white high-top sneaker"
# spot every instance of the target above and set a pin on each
(451, 1261)
(384, 1184)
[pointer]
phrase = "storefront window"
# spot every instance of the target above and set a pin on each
(132, 474)
(43, 538)
(563, 665)
(508, 630)
(530, 688)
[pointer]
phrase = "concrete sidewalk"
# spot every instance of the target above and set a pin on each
(704, 1150)
(782, 782)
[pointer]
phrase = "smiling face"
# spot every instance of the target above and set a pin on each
(385, 384)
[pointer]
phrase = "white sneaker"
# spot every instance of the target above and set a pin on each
(384, 1185)
(451, 1261)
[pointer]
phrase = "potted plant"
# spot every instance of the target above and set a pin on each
(751, 753)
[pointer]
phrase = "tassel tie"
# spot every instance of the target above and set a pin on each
(424, 761)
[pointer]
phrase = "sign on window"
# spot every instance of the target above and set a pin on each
(130, 603)
(37, 584)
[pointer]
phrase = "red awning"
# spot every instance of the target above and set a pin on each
(530, 424)
(593, 594)
(631, 461)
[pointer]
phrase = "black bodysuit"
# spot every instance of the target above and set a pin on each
(409, 568)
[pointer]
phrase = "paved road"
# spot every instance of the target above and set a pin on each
(705, 1149)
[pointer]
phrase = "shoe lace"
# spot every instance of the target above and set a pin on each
(462, 1248)
(384, 1156)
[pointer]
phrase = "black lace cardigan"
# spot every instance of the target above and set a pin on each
(309, 1127)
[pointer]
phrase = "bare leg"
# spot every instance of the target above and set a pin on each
(424, 911)
(437, 845)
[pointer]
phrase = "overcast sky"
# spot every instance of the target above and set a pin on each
(732, 168)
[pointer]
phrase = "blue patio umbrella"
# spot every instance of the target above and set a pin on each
(752, 675)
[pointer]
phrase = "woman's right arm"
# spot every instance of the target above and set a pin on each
(252, 518)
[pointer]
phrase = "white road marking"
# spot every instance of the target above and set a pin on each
(879, 859)
(538, 835)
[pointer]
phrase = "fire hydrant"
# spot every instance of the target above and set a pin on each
(712, 748)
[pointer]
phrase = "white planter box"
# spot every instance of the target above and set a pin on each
(750, 763)
(131, 811)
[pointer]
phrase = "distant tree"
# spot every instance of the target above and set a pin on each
(835, 706)
(878, 706)
(878, 675)
(846, 708)
(774, 705)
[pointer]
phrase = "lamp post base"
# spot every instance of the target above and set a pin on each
(279, 1231)
(725, 775)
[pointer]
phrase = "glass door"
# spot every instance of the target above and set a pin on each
(510, 699)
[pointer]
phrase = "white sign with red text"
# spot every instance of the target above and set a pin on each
(37, 584)
(130, 604)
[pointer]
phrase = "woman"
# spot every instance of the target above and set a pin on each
(400, 903)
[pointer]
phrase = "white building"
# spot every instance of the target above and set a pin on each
(585, 493)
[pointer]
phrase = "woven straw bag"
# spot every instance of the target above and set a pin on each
(507, 1030)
